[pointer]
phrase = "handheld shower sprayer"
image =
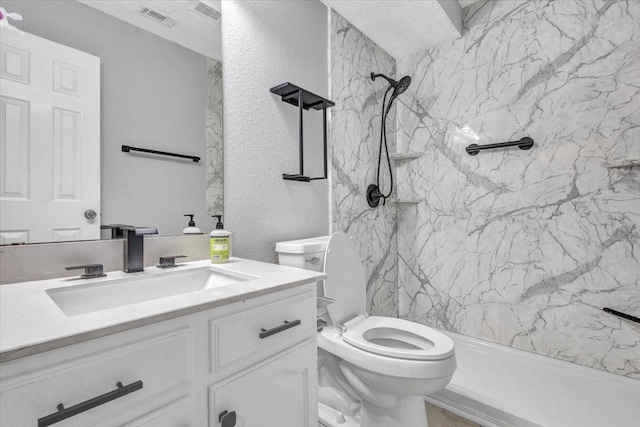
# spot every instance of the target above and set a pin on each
(374, 193)
(398, 86)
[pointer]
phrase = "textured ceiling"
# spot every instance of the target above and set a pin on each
(192, 30)
(403, 27)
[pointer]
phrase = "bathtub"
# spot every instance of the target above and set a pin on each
(498, 386)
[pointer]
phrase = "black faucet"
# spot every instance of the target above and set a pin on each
(134, 248)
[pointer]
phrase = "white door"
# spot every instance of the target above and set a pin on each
(49, 141)
(282, 393)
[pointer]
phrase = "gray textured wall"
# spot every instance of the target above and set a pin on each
(265, 44)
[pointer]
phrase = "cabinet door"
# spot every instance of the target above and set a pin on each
(161, 363)
(282, 393)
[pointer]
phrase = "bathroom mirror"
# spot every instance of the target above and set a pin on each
(144, 74)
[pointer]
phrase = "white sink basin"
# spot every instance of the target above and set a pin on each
(91, 297)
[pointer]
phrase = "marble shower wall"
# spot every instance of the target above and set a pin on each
(524, 248)
(355, 133)
(215, 185)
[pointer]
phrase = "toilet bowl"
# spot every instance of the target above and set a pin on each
(374, 371)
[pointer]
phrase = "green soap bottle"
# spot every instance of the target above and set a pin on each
(219, 243)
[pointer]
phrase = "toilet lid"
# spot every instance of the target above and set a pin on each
(346, 279)
(399, 338)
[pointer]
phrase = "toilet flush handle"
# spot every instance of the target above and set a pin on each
(313, 261)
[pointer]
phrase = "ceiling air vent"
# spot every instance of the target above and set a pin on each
(207, 11)
(157, 16)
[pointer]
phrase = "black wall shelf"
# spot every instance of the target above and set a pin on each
(304, 100)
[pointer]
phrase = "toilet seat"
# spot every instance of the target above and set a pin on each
(384, 336)
(332, 341)
(346, 280)
(398, 338)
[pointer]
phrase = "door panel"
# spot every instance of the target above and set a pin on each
(14, 119)
(49, 140)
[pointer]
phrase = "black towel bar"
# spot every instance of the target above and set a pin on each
(127, 148)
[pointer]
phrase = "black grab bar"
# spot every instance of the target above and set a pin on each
(523, 144)
(621, 314)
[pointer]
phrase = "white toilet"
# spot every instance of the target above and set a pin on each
(372, 371)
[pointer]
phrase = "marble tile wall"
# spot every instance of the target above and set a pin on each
(354, 135)
(524, 248)
(214, 142)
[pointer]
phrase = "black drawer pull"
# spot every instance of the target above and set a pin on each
(227, 419)
(64, 413)
(286, 325)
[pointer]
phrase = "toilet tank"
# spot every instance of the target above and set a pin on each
(304, 253)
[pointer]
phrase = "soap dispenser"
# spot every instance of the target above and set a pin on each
(191, 228)
(219, 243)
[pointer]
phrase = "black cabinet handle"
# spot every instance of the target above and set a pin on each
(227, 419)
(286, 325)
(64, 413)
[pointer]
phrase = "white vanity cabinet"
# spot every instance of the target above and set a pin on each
(254, 359)
(276, 394)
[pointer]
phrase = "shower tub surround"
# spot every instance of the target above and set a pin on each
(354, 133)
(524, 248)
(215, 171)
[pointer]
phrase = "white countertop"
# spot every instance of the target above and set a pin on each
(31, 322)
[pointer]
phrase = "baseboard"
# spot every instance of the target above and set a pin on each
(478, 412)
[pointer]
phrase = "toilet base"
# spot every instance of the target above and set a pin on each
(409, 411)
(331, 417)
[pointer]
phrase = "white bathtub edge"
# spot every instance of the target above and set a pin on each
(492, 396)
